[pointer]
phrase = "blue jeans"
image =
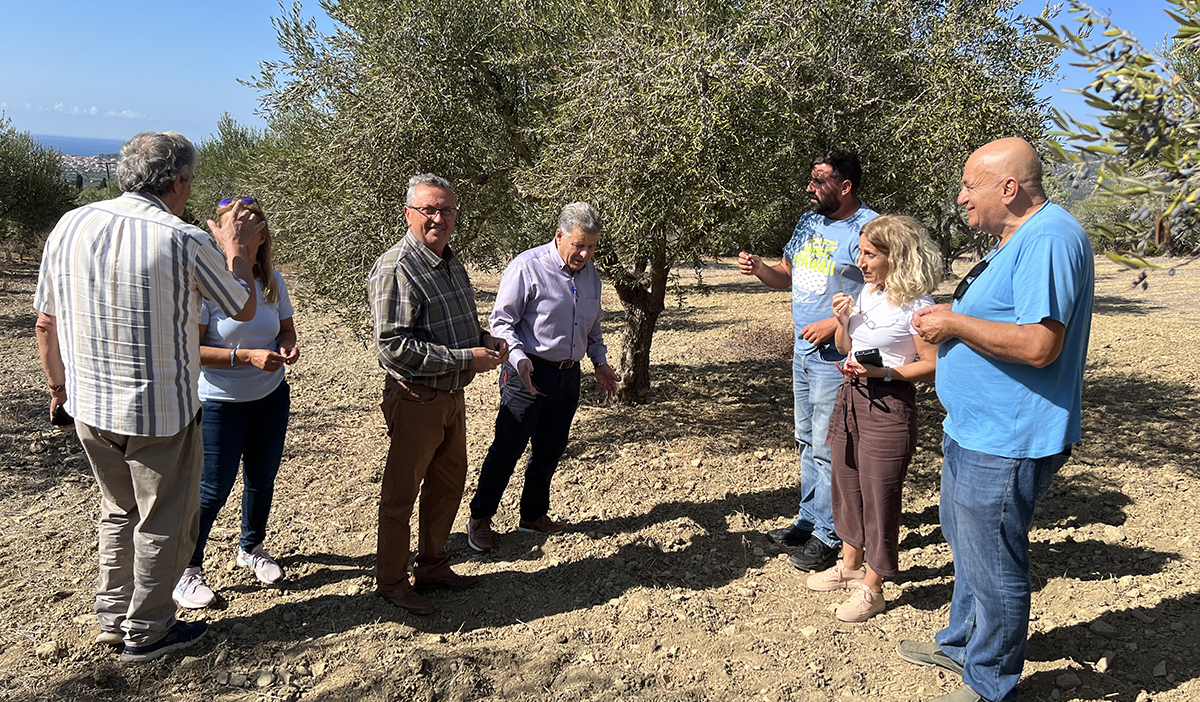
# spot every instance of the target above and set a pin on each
(815, 381)
(249, 433)
(986, 510)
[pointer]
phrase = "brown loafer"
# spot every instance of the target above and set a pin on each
(447, 580)
(542, 525)
(408, 599)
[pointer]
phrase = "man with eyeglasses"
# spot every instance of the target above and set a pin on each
(429, 340)
(548, 310)
(1010, 375)
(818, 263)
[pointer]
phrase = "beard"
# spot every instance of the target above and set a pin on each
(825, 206)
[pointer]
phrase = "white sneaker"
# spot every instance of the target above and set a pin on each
(265, 568)
(191, 592)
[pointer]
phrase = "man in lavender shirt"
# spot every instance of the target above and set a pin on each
(548, 310)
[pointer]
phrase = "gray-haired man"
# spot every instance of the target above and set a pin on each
(118, 302)
(429, 340)
(548, 310)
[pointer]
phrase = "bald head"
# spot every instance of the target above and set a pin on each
(1002, 186)
(1015, 158)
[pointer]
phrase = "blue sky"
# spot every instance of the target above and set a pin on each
(81, 68)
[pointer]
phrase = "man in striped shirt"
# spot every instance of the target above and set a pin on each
(118, 301)
(429, 340)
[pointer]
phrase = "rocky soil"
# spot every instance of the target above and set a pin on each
(663, 588)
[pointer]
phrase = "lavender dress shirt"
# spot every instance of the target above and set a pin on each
(545, 310)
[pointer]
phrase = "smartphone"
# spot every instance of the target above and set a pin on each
(61, 418)
(869, 357)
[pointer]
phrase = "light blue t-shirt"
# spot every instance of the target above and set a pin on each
(243, 383)
(823, 253)
(1045, 271)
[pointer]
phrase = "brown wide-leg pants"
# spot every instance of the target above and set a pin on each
(427, 457)
(873, 435)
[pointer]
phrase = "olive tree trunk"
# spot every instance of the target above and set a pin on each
(642, 296)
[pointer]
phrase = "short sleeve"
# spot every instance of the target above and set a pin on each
(206, 312)
(1045, 285)
(285, 300)
(911, 308)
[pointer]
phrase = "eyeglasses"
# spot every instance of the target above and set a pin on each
(245, 201)
(965, 283)
(445, 212)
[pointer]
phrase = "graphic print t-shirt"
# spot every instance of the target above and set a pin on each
(823, 253)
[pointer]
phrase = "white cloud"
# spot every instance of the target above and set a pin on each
(93, 110)
(59, 107)
(75, 109)
(28, 106)
(130, 114)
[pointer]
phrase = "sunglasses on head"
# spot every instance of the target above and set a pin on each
(245, 201)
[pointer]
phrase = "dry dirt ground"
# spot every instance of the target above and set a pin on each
(664, 587)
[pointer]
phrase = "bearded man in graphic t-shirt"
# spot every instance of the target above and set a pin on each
(818, 263)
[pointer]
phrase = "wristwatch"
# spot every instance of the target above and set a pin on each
(887, 378)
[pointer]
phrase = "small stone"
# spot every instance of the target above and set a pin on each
(221, 658)
(1067, 681)
(758, 551)
(1105, 662)
(237, 680)
(808, 632)
(1143, 616)
(729, 630)
(1113, 533)
(302, 671)
(47, 651)
(1104, 629)
(561, 638)
(760, 455)
(696, 463)
(1143, 696)
(318, 669)
(222, 677)
(266, 679)
(289, 617)
(1133, 592)
(85, 619)
(239, 629)
(1160, 670)
(188, 663)
(1055, 694)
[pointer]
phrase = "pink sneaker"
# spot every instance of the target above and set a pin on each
(861, 606)
(836, 578)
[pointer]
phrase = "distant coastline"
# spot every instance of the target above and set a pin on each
(80, 146)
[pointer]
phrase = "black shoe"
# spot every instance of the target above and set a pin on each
(790, 536)
(815, 557)
(181, 635)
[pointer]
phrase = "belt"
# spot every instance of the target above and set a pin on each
(561, 365)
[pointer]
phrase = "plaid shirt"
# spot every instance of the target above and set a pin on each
(426, 322)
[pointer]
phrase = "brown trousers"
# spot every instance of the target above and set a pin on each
(873, 435)
(427, 457)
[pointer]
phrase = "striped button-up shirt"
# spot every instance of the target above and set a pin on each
(124, 280)
(544, 309)
(426, 322)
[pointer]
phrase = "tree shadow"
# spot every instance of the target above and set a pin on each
(1141, 639)
(1113, 305)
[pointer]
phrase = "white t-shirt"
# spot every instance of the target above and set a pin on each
(876, 324)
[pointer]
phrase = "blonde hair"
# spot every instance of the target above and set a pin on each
(914, 266)
(264, 272)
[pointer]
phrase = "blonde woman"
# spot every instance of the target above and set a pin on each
(873, 433)
(246, 403)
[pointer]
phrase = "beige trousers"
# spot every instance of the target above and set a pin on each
(149, 521)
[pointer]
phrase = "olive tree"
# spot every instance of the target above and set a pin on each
(691, 125)
(1146, 148)
(33, 194)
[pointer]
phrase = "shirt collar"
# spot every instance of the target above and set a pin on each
(152, 200)
(431, 259)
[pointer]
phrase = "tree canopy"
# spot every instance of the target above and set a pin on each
(33, 194)
(691, 125)
(1146, 148)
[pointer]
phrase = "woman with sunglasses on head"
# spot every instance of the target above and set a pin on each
(873, 432)
(245, 405)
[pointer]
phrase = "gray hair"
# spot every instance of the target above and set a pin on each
(581, 215)
(151, 161)
(427, 179)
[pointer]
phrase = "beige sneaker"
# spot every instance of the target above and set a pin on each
(836, 578)
(861, 606)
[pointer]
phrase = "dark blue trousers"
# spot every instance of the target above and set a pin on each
(543, 422)
(250, 434)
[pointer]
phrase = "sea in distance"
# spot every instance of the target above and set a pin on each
(80, 146)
